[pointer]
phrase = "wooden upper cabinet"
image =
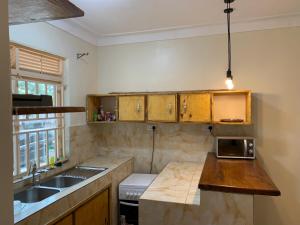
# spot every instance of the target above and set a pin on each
(66, 221)
(162, 108)
(195, 107)
(94, 212)
(214, 106)
(132, 108)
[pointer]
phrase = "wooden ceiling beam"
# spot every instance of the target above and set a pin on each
(31, 11)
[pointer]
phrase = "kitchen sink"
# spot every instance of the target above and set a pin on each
(34, 194)
(62, 182)
(57, 183)
(83, 172)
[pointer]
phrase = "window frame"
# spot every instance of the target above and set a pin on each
(18, 74)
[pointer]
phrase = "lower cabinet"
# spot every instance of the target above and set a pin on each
(94, 212)
(66, 221)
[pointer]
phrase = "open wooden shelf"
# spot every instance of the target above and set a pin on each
(231, 107)
(46, 110)
(109, 104)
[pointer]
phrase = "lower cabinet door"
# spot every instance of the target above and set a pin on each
(66, 221)
(94, 212)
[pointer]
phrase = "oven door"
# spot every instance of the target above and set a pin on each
(129, 211)
(231, 148)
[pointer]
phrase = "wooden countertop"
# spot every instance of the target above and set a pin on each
(236, 176)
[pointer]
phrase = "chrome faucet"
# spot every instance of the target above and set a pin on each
(33, 170)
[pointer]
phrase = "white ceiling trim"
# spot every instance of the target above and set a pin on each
(76, 30)
(260, 24)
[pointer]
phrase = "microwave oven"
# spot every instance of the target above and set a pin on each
(235, 147)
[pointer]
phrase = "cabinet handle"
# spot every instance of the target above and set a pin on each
(184, 106)
(170, 108)
(138, 107)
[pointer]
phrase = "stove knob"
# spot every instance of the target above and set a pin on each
(127, 194)
(250, 144)
(250, 151)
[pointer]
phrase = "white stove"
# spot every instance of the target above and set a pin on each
(134, 186)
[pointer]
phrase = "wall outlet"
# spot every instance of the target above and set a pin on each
(150, 127)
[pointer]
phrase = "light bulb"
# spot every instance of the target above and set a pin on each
(229, 83)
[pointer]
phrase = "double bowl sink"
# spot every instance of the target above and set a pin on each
(57, 184)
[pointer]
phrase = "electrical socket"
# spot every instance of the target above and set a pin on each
(150, 127)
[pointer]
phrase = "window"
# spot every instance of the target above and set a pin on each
(37, 138)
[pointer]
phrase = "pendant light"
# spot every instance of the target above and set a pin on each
(229, 78)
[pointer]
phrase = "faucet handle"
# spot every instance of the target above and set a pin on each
(32, 167)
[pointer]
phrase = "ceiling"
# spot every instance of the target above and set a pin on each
(108, 18)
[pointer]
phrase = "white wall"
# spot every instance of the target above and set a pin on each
(80, 75)
(6, 190)
(266, 62)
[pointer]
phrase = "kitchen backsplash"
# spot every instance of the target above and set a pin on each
(172, 142)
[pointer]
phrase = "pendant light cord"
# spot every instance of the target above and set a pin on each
(229, 36)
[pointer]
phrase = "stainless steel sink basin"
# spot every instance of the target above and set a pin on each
(84, 172)
(56, 184)
(61, 182)
(34, 194)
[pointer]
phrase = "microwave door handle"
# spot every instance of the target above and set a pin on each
(245, 147)
(129, 204)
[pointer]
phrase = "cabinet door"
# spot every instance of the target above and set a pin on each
(66, 221)
(162, 108)
(132, 108)
(94, 212)
(195, 108)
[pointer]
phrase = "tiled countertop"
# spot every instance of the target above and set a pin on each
(177, 183)
(174, 198)
(55, 206)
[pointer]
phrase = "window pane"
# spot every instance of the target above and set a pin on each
(22, 117)
(23, 155)
(15, 154)
(41, 89)
(21, 87)
(51, 90)
(21, 90)
(31, 88)
(37, 124)
(32, 147)
(52, 144)
(42, 148)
